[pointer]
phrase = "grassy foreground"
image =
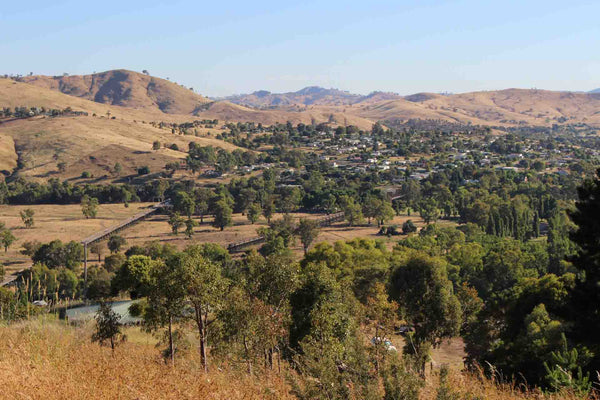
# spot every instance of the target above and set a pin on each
(48, 359)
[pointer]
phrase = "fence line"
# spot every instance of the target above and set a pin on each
(324, 221)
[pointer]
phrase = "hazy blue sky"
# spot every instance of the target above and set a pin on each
(226, 47)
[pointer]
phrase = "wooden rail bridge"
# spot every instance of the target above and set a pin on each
(324, 221)
(99, 236)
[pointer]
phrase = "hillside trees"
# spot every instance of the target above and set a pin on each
(189, 227)
(115, 243)
(253, 213)
(27, 217)
(352, 210)
(7, 239)
(97, 248)
(201, 202)
(204, 287)
(175, 222)
(184, 204)
(107, 325)
(324, 332)
(379, 209)
(586, 296)
(89, 206)
(165, 302)
(268, 208)
(55, 254)
(222, 214)
(135, 276)
(421, 287)
(307, 230)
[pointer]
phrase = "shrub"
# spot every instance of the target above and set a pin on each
(408, 227)
(114, 262)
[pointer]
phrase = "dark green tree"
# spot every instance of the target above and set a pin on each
(108, 328)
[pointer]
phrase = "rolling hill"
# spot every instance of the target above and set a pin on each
(142, 97)
(92, 143)
(503, 107)
(122, 104)
(125, 88)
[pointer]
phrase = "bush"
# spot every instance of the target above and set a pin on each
(408, 227)
(114, 262)
(98, 283)
(86, 174)
(145, 170)
(392, 230)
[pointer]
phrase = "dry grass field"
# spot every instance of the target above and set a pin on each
(8, 156)
(157, 228)
(47, 359)
(64, 222)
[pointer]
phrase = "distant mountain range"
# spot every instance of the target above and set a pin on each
(311, 95)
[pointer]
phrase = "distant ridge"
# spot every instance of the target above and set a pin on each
(160, 99)
(310, 95)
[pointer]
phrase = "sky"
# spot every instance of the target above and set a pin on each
(228, 47)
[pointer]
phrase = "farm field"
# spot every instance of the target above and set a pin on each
(63, 222)
(66, 223)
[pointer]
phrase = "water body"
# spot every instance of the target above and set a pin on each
(82, 314)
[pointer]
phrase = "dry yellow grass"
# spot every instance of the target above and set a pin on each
(8, 155)
(476, 386)
(48, 360)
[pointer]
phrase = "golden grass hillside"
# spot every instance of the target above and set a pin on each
(503, 107)
(8, 155)
(94, 144)
(125, 88)
(41, 143)
(48, 359)
(17, 94)
(305, 115)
